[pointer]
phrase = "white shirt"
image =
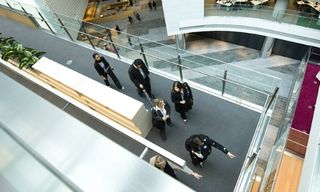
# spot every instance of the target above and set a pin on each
(163, 111)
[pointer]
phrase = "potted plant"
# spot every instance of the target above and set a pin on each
(25, 57)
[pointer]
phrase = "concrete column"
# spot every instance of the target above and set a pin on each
(267, 47)
(181, 41)
(279, 9)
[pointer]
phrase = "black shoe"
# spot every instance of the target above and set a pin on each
(140, 94)
(170, 124)
(151, 96)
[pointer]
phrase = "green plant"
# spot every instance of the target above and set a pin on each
(11, 49)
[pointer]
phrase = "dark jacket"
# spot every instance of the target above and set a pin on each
(204, 149)
(99, 69)
(176, 98)
(189, 96)
(135, 75)
(157, 116)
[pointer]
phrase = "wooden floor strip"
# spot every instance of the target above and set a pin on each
(289, 173)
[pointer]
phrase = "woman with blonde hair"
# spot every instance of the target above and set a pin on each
(169, 167)
(161, 115)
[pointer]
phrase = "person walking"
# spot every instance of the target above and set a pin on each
(200, 146)
(104, 69)
(130, 19)
(150, 5)
(139, 75)
(118, 29)
(169, 167)
(189, 96)
(138, 17)
(179, 98)
(154, 5)
(161, 116)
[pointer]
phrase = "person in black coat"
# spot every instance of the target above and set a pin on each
(154, 5)
(118, 29)
(104, 69)
(200, 146)
(150, 5)
(179, 98)
(139, 75)
(189, 96)
(130, 19)
(160, 116)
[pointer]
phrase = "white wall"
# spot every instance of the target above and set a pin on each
(188, 16)
(180, 10)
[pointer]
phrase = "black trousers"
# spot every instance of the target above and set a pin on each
(196, 160)
(183, 115)
(114, 79)
(146, 86)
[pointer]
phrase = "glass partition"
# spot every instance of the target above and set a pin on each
(264, 12)
(166, 58)
(22, 172)
(282, 134)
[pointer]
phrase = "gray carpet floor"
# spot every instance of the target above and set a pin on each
(230, 124)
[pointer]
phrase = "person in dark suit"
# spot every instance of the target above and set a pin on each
(189, 96)
(104, 69)
(150, 5)
(179, 98)
(160, 116)
(139, 75)
(154, 5)
(118, 29)
(199, 147)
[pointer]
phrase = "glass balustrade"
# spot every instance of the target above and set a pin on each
(19, 170)
(264, 12)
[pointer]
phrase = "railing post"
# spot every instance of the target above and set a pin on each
(180, 68)
(143, 55)
(85, 32)
(46, 22)
(114, 47)
(144, 152)
(65, 29)
(32, 19)
(272, 98)
(224, 81)
(8, 5)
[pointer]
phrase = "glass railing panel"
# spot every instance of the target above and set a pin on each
(22, 172)
(130, 52)
(14, 5)
(158, 49)
(212, 82)
(35, 14)
(244, 93)
(166, 66)
(253, 79)
(264, 12)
